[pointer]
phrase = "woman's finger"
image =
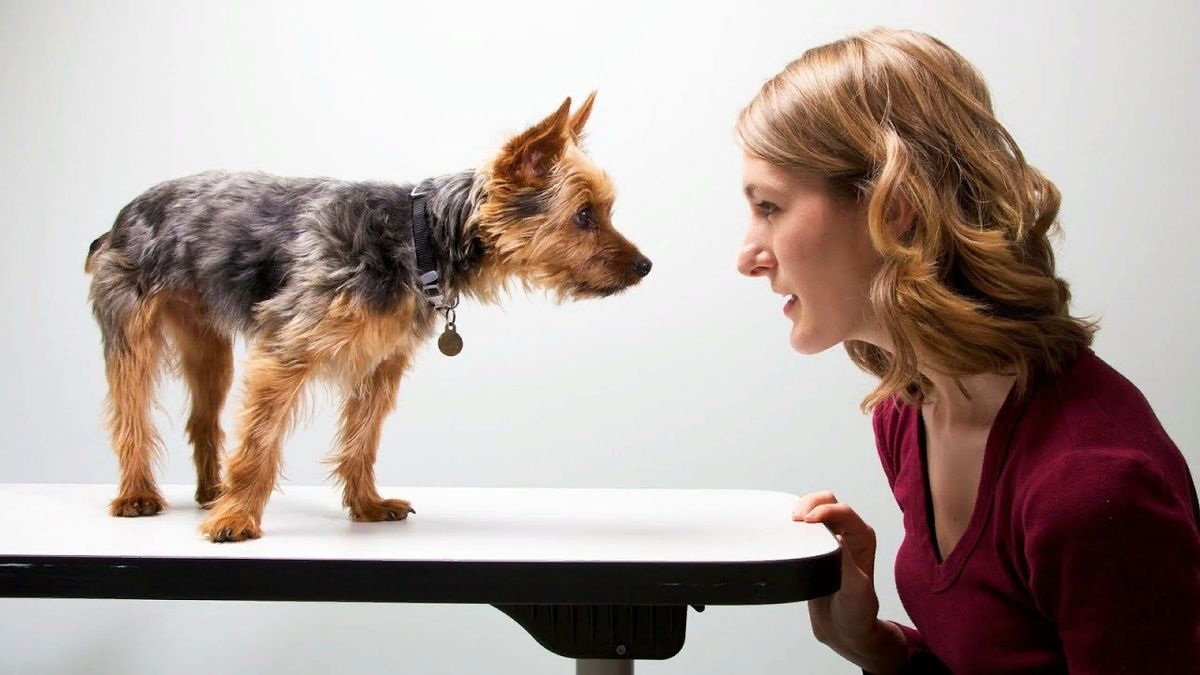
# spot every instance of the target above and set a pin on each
(838, 516)
(810, 501)
(859, 537)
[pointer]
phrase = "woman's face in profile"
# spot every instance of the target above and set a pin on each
(816, 252)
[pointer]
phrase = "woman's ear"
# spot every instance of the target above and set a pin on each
(900, 216)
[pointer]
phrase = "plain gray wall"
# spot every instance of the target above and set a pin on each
(687, 381)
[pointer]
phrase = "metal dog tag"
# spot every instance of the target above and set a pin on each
(450, 343)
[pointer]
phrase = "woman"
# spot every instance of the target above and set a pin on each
(1051, 525)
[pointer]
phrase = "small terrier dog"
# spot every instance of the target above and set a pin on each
(333, 280)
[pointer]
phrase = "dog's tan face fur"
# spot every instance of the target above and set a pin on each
(548, 218)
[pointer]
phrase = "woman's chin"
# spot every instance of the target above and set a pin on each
(807, 341)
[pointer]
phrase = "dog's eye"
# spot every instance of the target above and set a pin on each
(585, 219)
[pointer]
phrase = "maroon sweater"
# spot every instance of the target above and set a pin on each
(1083, 552)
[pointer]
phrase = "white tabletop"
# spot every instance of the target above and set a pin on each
(451, 524)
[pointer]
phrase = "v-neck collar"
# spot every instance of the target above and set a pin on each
(999, 439)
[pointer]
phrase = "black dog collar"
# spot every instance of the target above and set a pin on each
(426, 269)
(449, 343)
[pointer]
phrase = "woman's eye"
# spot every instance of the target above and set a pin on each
(767, 208)
(584, 218)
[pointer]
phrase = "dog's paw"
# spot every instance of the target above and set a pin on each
(221, 528)
(206, 495)
(384, 509)
(137, 504)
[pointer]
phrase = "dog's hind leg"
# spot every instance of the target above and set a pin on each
(363, 413)
(132, 368)
(275, 381)
(206, 360)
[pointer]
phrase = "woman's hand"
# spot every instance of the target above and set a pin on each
(848, 621)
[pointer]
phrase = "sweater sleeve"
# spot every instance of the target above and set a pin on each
(1113, 555)
(921, 660)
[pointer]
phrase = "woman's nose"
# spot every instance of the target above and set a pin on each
(754, 260)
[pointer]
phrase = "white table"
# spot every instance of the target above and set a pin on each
(601, 576)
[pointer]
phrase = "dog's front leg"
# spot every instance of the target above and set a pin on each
(274, 382)
(366, 406)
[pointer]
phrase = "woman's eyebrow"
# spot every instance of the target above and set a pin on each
(752, 189)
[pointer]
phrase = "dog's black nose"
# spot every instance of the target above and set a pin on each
(642, 266)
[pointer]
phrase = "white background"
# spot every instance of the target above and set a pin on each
(686, 381)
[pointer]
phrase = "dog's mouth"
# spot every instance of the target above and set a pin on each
(597, 291)
(592, 281)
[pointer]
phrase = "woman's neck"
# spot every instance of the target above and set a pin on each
(953, 403)
(975, 403)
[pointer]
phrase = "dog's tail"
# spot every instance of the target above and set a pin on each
(96, 244)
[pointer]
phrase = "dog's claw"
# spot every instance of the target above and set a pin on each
(230, 535)
(230, 528)
(139, 505)
(385, 510)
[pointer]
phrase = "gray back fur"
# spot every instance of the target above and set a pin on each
(263, 251)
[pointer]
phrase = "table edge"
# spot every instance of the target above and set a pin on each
(420, 581)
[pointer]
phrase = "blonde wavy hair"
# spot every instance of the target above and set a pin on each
(971, 287)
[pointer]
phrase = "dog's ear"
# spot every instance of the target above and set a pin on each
(528, 158)
(581, 116)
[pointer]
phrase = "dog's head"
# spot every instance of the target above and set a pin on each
(548, 215)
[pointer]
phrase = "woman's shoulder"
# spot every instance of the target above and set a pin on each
(1106, 523)
(893, 421)
(1091, 390)
(1092, 412)
(1090, 443)
(891, 415)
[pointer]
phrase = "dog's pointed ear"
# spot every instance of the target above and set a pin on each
(581, 116)
(528, 158)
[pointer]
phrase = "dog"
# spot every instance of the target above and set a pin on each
(333, 280)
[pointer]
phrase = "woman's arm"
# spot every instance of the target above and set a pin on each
(848, 621)
(1113, 553)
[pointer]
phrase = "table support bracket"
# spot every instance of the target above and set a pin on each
(601, 637)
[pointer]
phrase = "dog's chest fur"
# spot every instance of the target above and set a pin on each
(351, 340)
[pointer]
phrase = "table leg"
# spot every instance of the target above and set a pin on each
(603, 666)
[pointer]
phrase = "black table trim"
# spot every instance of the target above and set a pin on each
(447, 582)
